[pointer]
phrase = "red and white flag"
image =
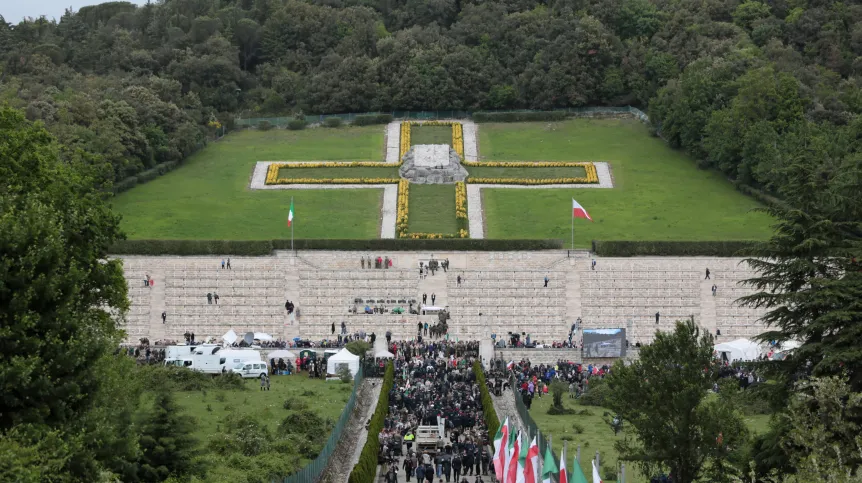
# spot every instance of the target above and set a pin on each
(596, 477)
(500, 441)
(578, 211)
(531, 466)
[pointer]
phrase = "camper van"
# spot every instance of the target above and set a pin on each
(209, 358)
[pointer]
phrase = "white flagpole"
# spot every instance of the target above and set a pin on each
(573, 228)
(291, 227)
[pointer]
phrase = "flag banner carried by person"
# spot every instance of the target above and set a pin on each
(531, 466)
(514, 454)
(510, 365)
(549, 467)
(577, 475)
(578, 211)
(596, 477)
(500, 441)
(290, 214)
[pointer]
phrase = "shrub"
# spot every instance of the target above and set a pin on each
(264, 125)
(344, 375)
(670, 248)
(296, 124)
(519, 116)
(597, 393)
(577, 428)
(182, 379)
(395, 244)
(491, 419)
(332, 122)
(370, 119)
(366, 468)
(295, 404)
(192, 247)
(125, 184)
(567, 437)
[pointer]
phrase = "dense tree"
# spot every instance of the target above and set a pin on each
(167, 447)
(663, 399)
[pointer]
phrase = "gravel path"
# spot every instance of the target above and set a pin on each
(505, 406)
(346, 454)
(393, 142)
(476, 213)
(471, 144)
(389, 211)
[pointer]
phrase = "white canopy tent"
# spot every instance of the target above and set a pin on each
(738, 350)
(384, 354)
(343, 358)
(281, 354)
(262, 336)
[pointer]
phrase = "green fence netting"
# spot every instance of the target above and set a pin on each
(312, 472)
(431, 115)
(532, 429)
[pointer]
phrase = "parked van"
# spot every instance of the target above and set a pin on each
(209, 358)
(251, 369)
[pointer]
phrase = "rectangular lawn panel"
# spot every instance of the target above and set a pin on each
(543, 173)
(208, 196)
(430, 134)
(432, 208)
(325, 173)
(658, 194)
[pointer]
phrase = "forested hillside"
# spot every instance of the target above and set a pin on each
(748, 87)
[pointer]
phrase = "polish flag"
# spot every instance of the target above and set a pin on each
(578, 211)
(596, 477)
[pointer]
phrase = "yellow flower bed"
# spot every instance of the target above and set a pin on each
(460, 200)
(335, 181)
(458, 139)
(530, 164)
(529, 181)
(419, 236)
(405, 141)
(401, 217)
(431, 123)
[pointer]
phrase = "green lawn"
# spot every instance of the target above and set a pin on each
(658, 194)
(597, 434)
(487, 172)
(208, 197)
(432, 208)
(209, 410)
(323, 173)
(430, 135)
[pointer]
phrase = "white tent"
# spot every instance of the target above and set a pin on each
(230, 337)
(262, 336)
(738, 350)
(343, 358)
(384, 354)
(281, 354)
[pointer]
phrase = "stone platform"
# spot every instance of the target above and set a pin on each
(432, 164)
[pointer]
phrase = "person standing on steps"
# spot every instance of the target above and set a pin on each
(215, 297)
(714, 288)
(424, 298)
(209, 298)
(547, 280)
(433, 297)
(657, 315)
(228, 264)
(333, 328)
(459, 280)
(164, 316)
(593, 265)
(222, 263)
(707, 274)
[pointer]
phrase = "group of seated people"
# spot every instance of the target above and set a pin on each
(434, 383)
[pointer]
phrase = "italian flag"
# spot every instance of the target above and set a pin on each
(290, 214)
(531, 467)
(549, 467)
(596, 477)
(514, 453)
(578, 211)
(500, 448)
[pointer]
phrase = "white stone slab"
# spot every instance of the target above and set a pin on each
(471, 143)
(393, 142)
(430, 155)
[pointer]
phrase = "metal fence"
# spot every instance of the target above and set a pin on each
(311, 473)
(431, 115)
(532, 429)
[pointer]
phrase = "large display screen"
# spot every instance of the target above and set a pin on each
(604, 342)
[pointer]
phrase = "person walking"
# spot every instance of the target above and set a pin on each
(164, 316)
(209, 298)
(433, 297)
(333, 327)
(707, 274)
(424, 298)
(222, 263)
(459, 280)
(593, 265)
(547, 280)
(215, 297)
(456, 466)
(228, 264)
(714, 288)
(343, 328)
(426, 329)
(147, 280)
(657, 315)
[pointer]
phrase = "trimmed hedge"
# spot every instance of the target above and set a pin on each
(519, 116)
(670, 248)
(369, 119)
(191, 247)
(491, 419)
(366, 469)
(143, 177)
(296, 124)
(759, 195)
(332, 122)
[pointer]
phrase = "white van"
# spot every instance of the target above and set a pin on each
(251, 369)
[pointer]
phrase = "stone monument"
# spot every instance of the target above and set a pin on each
(432, 164)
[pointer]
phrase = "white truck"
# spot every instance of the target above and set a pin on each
(210, 358)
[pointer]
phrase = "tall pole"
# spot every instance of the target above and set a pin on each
(291, 228)
(573, 229)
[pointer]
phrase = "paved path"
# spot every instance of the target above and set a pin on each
(346, 454)
(393, 142)
(471, 142)
(505, 406)
(476, 213)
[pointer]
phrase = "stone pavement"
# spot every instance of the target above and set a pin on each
(346, 454)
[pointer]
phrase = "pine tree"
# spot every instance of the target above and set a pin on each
(168, 449)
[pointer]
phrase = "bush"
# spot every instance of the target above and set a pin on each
(295, 404)
(143, 177)
(366, 468)
(264, 125)
(395, 244)
(670, 248)
(125, 184)
(191, 247)
(491, 419)
(344, 375)
(156, 378)
(296, 124)
(332, 122)
(519, 116)
(370, 119)
(597, 394)
(577, 428)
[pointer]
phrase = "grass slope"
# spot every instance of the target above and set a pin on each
(210, 409)
(208, 197)
(597, 434)
(432, 208)
(659, 193)
(430, 135)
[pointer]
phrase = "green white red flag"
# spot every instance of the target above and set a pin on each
(290, 214)
(549, 467)
(500, 441)
(531, 466)
(514, 453)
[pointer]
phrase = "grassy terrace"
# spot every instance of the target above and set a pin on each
(208, 196)
(659, 193)
(432, 209)
(323, 173)
(430, 135)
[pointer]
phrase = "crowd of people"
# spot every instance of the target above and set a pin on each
(434, 384)
(143, 353)
(535, 380)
